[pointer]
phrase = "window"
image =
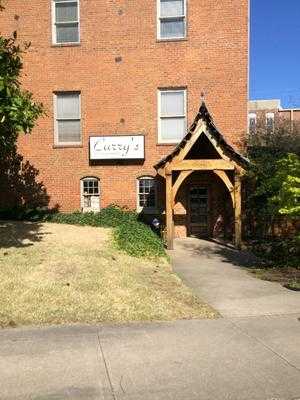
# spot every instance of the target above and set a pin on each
(172, 115)
(252, 123)
(65, 15)
(146, 194)
(90, 195)
(171, 19)
(270, 122)
(67, 118)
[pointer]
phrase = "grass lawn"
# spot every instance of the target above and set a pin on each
(56, 273)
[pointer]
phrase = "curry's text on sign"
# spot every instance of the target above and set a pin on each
(117, 147)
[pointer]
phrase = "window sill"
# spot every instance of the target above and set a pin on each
(63, 146)
(66, 44)
(183, 39)
(167, 143)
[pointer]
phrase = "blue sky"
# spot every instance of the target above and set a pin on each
(275, 51)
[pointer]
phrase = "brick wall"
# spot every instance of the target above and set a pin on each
(121, 97)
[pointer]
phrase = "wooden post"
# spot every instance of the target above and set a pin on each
(238, 210)
(169, 210)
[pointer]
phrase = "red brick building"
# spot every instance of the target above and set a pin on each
(269, 112)
(125, 68)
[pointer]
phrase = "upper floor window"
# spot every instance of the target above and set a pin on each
(252, 122)
(146, 194)
(65, 21)
(171, 19)
(67, 118)
(172, 115)
(270, 117)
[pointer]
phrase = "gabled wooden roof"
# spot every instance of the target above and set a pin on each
(203, 115)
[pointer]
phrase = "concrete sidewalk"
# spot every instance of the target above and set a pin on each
(233, 359)
(214, 272)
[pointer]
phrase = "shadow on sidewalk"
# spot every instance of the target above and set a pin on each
(211, 249)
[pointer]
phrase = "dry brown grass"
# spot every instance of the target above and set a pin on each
(53, 274)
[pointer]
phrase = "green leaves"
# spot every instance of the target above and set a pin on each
(287, 178)
(18, 111)
(274, 170)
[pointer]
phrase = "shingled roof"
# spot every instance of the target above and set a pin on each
(204, 115)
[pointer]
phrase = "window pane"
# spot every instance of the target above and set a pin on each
(270, 121)
(172, 29)
(67, 33)
(66, 12)
(142, 189)
(252, 122)
(172, 129)
(91, 186)
(68, 106)
(68, 131)
(95, 187)
(147, 193)
(172, 103)
(171, 8)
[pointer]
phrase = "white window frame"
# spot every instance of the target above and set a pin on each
(251, 116)
(56, 142)
(159, 18)
(270, 115)
(146, 210)
(160, 117)
(54, 23)
(82, 195)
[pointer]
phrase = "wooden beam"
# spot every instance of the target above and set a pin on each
(169, 211)
(161, 172)
(201, 165)
(222, 175)
(179, 181)
(238, 210)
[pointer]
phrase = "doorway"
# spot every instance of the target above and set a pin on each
(198, 211)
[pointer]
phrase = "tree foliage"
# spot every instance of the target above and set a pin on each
(18, 114)
(18, 110)
(273, 177)
(287, 179)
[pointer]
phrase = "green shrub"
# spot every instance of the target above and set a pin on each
(109, 217)
(138, 240)
(279, 252)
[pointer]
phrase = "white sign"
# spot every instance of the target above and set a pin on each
(117, 147)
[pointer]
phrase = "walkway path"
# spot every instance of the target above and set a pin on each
(224, 359)
(214, 272)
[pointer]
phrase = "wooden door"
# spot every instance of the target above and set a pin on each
(198, 211)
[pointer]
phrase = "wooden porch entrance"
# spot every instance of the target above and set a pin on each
(218, 157)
